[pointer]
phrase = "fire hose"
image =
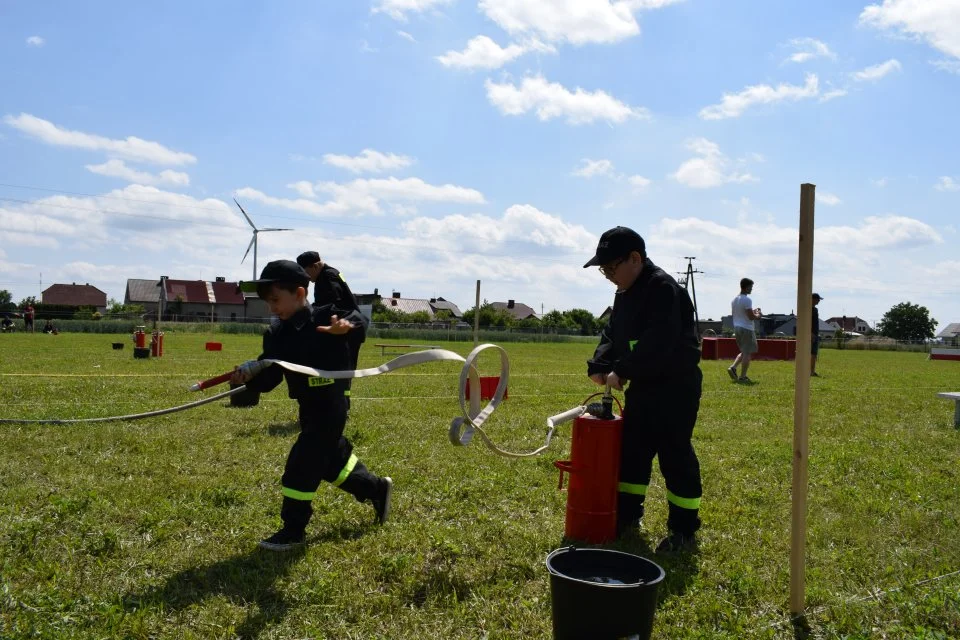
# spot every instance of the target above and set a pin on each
(462, 428)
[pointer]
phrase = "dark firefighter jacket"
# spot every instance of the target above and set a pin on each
(296, 340)
(332, 288)
(651, 337)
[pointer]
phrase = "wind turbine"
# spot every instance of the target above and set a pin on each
(253, 241)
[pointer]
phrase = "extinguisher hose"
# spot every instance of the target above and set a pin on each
(462, 428)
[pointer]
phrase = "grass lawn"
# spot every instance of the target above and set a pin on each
(148, 529)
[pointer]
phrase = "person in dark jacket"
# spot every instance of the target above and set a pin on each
(330, 287)
(651, 343)
(313, 336)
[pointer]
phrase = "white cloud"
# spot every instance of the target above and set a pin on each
(523, 223)
(833, 93)
(806, 49)
(366, 48)
(131, 147)
(550, 100)
(483, 53)
(639, 182)
(563, 20)
(734, 104)
(35, 41)
(363, 196)
(881, 232)
(880, 182)
(369, 161)
(947, 183)
(935, 22)
(398, 9)
(406, 36)
(304, 188)
(589, 168)
(118, 169)
(950, 66)
(709, 169)
(877, 71)
(828, 199)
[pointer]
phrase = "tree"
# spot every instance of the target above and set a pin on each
(6, 301)
(907, 321)
(29, 301)
(584, 320)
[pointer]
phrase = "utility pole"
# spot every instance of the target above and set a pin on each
(691, 287)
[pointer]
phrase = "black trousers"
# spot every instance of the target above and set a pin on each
(355, 340)
(659, 421)
(321, 452)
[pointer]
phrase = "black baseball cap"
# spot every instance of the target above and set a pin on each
(285, 271)
(308, 258)
(616, 243)
(817, 296)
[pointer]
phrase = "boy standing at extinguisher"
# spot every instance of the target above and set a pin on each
(312, 336)
(651, 342)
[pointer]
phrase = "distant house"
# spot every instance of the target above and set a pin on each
(850, 323)
(789, 328)
(75, 295)
(440, 304)
(194, 300)
(143, 292)
(951, 334)
(412, 305)
(518, 310)
(396, 302)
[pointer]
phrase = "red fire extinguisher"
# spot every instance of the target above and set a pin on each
(140, 338)
(594, 468)
(156, 344)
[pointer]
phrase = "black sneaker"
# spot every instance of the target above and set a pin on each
(284, 540)
(382, 504)
(677, 542)
(733, 373)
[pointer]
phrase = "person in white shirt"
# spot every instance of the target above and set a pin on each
(743, 316)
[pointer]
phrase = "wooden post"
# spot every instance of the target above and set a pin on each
(801, 400)
(476, 318)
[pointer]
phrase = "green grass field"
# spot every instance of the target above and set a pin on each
(148, 529)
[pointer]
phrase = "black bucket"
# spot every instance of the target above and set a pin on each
(246, 398)
(602, 594)
(117, 345)
(141, 352)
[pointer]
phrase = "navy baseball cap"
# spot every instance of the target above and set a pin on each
(286, 271)
(616, 243)
(308, 258)
(817, 296)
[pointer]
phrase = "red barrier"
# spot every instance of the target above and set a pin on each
(214, 346)
(726, 349)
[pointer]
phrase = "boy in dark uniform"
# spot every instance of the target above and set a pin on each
(330, 287)
(312, 336)
(651, 341)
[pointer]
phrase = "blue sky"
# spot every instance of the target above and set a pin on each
(420, 145)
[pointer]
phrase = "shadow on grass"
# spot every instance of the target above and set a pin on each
(243, 579)
(285, 429)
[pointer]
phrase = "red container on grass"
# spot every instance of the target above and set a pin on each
(488, 386)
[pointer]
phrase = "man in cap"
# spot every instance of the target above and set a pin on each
(815, 342)
(330, 287)
(651, 343)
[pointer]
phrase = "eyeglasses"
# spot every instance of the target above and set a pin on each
(609, 269)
